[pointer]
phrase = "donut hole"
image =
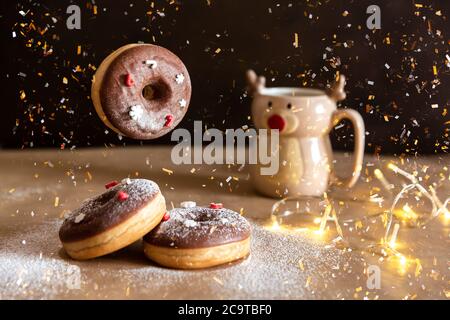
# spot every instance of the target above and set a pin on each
(158, 90)
(104, 198)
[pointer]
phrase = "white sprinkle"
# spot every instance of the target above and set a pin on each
(151, 63)
(126, 181)
(387, 66)
(179, 78)
(24, 242)
(13, 34)
(136, 112)
(190, 223)
(22, 13)
(182, 103)
(79, 218)
(434, 106)
(188, 204)
(370, 82)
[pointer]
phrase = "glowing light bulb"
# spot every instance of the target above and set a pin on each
(317, 220)
(392, 166)
(409, 213)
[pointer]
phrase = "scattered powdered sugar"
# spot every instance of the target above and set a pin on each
(34, 270)
(40, 270)
(271, 271)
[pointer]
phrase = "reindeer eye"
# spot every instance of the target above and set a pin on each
(270, 104)
(289, 106)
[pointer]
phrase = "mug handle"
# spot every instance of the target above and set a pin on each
(358, 127)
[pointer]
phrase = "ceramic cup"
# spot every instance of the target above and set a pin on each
(304, 118)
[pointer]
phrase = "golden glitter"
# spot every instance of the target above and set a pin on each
(295, 40)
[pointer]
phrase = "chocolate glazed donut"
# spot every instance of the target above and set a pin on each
(198, 237)
(141, 91)
(121, 215)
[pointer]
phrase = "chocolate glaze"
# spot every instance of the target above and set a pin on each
(199, 227)
(106, 211)
(116, 97)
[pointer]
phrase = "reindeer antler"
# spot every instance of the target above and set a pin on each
(255, 83)
(337, 92)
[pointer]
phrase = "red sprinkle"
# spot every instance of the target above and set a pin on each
(111, 184)
(214, 205)
(169, 120)
(129, 80)
(122, 196)
(166, 217)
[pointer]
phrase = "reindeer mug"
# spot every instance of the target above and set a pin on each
(304, 118)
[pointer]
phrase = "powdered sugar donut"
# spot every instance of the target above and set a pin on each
(141, 91)
(118, 217)
(198, 237)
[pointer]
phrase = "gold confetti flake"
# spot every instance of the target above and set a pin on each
(218, 281)
(295, 40)
(435, 70)
(167, 171)
(301, 265)
(418, 268)
(308, 282)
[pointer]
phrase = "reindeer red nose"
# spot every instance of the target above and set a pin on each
(276, 122)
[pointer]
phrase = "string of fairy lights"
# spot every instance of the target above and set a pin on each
(400, 213)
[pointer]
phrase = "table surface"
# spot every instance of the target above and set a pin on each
(38, 187)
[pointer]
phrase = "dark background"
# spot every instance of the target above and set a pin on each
(39, 110)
